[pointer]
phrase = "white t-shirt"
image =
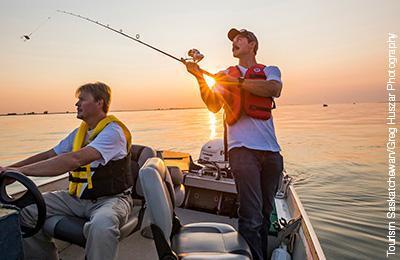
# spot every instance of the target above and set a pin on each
(250, 132)
(110, 143)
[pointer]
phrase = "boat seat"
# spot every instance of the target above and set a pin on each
(70, 228)
(179, 191)
(197, 240)
(177, 181)
(194, 241)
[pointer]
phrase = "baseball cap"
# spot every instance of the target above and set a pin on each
(249, 35)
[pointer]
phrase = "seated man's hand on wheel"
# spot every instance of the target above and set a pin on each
(25, 198)
(8, 181)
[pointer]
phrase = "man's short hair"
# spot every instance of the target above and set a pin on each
(99, 90)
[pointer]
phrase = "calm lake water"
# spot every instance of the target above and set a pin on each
(336, 155)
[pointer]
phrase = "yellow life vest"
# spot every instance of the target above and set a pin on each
(75, 188)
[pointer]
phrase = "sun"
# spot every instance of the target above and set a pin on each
(210, 81)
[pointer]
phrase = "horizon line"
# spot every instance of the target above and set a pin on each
(46, 112)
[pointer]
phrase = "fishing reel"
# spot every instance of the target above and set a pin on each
(194, 56)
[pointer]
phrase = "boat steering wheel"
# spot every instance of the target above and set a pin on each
(31, 196)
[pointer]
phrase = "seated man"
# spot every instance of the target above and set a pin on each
(96, 155)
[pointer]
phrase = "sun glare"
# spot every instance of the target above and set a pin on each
(210, 81)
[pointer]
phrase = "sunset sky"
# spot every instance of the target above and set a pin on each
(328, 51)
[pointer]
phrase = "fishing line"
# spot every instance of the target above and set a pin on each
(27, 37)
(195, 55)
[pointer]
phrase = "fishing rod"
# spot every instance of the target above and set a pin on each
(194, 54)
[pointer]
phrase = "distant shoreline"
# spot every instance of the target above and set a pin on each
(120, 110)
(160, 109)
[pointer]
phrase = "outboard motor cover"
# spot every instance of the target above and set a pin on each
(213, 152)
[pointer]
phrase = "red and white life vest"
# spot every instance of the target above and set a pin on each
(238, 100)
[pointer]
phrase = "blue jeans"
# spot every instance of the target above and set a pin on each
(10, 234)
(257, 175)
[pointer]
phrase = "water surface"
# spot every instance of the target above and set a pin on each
(336, 155)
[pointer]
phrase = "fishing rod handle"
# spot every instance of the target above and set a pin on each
(201, 70)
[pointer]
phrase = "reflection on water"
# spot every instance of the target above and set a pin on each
(213, 125)
(336, 155)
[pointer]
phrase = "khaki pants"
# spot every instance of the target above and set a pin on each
(106, 215)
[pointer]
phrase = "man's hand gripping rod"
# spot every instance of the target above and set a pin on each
(196, 57)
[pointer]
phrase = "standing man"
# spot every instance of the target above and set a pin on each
(246, 93)
(97, 156)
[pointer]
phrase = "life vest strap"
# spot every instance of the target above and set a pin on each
(255, 107)
(77, 179)
(83, 169)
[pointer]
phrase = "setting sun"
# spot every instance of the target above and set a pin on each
(210, 81)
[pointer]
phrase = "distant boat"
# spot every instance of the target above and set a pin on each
(325, 105)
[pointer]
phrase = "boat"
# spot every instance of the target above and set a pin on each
(206, 192)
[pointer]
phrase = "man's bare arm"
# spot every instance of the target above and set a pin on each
(212, 100)
(62, 163)
(263, 88)
(35, 158)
